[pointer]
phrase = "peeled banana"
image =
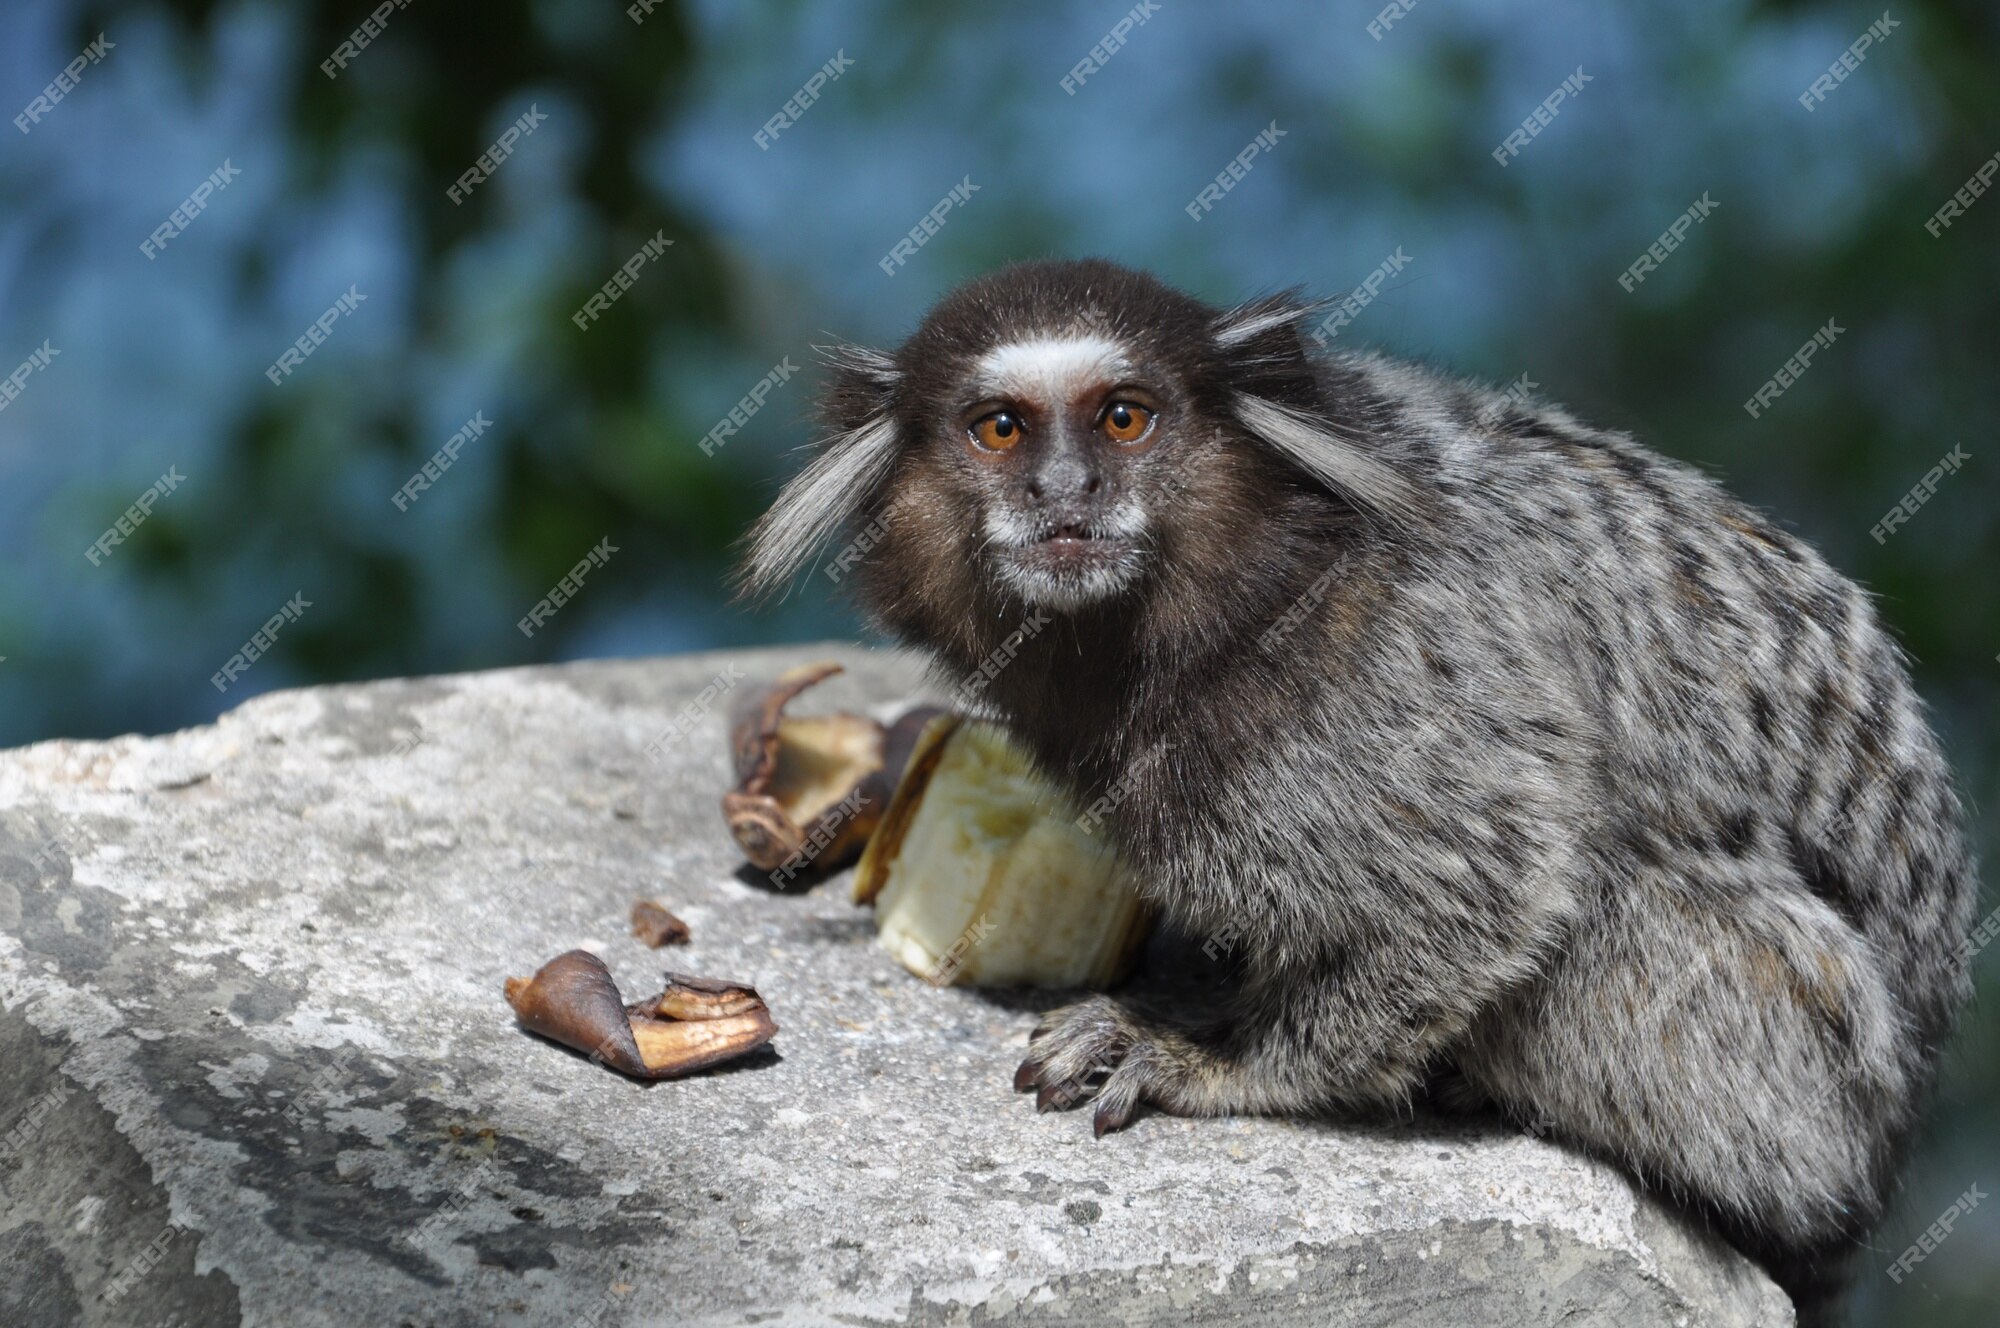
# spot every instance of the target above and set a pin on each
(981, 876)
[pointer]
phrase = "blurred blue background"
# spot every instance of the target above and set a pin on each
(1387, 143)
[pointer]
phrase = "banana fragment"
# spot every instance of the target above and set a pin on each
(653, 924)
(694, 1024)
(981, 876)
(809, 788)
(704, 998)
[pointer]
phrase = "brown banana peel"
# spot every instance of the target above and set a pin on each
(694, 1024)
(810, 788)
(704, 998)
(653, 924)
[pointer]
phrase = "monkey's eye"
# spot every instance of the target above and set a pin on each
(997, 432)
(1125, 421)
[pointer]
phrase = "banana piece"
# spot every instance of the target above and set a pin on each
(980, 875)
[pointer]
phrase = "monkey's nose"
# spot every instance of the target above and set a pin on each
(1064, 479)
(1038, 491)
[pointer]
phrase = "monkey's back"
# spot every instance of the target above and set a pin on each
(1749, 694)
(1768, 776)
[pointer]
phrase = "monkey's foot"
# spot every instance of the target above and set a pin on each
(1097, 1049)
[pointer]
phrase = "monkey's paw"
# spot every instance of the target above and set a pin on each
(1096, 1049)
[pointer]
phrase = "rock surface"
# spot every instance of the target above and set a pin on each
(255, 1067)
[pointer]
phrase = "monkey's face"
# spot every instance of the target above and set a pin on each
(1069, 437)
(1060, 448)
(1050, 434)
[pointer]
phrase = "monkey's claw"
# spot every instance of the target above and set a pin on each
(1108, 1118)
(1080, 1052)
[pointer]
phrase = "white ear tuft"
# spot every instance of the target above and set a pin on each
(1253, 318)
(872, 365)
(1335, 461)
(1249, 320)
(819, 501)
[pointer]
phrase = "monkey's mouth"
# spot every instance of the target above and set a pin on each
(1069, 565)
(1071, 547)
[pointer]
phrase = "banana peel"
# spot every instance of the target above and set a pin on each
(810, 789)
(694, 1024)
(653, 924)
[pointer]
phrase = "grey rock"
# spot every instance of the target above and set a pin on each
(255, 1067)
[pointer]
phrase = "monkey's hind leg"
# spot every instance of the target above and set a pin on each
(1741, 1060)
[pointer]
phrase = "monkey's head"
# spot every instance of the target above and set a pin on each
(1068, 437)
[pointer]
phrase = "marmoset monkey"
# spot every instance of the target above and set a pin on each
(1502, 750)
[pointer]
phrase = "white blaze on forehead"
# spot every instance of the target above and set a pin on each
(1051, 368)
